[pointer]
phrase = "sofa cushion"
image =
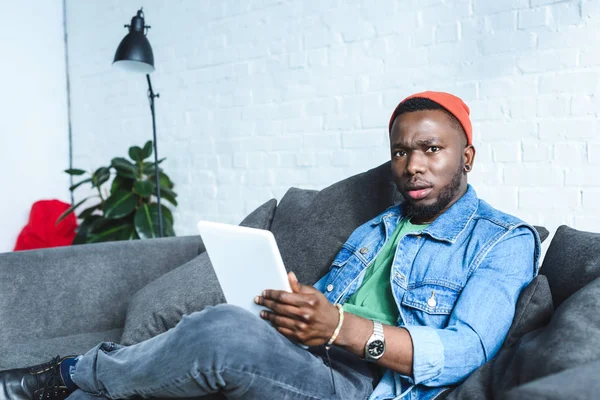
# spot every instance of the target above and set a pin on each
(533, 311)
(190, 287)
(571, 262)
(311, 227)
(37, 351)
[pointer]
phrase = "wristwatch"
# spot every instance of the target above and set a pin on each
(375, 347)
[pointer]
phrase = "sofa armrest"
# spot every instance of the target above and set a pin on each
(580, 382)
(68, 290)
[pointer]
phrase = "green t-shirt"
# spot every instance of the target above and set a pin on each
(374, 299)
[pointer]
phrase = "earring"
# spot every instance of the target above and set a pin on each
(467, 168)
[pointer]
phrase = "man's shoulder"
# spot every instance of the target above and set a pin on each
(487, 213)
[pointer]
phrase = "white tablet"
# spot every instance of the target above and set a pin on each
(246, 262)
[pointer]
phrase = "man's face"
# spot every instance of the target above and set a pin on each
(428, 159)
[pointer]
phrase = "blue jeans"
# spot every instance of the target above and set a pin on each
(222, 349)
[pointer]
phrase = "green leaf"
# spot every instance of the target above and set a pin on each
(168, 196)
(165, 181)
(119, 204)
(144, 188)
(148, 167)
(70, 210)
(81, 236)
(88, 211)
(100, 176)
(74, 171)
(146, 221)
(75, 186)
(119, 232)
(121, 183)
(124, 167)
(135, 153)
(147, 150)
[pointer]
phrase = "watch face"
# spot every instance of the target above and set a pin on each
(376, 348)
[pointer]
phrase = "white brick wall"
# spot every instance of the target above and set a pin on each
(260, 95)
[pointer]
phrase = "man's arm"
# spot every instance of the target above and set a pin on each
(434, 357)
(306, 316)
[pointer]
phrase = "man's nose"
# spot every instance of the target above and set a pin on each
(416, 163)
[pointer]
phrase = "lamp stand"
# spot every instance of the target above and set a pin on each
(151, 97)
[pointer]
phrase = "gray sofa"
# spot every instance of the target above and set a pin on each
(66, 300)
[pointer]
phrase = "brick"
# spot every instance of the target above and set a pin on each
(505, 131)
(569, 129)
(423, 36)
(573, 82)
(375, 118)
(447, 12)
(507, 42)
(533, 18)
(509, 152)
(563, 200)
(491, 7)
(522, 108)
(517, 86)
(317, 58)
(537, 3)
(446, 33)
(322, 141)
(304, 124)
(536, 151)
(553, 106)
(550, 60)
(582, 176)
(503, 21)
(564, 14)
(363, 139)
(591, 199)
(588, 223)
(585, 105)
(342, 122)
(569, 153)
(489, 109)
(533, 175)
(485, 173)
(593, 151)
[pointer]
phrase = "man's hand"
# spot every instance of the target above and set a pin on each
(304, 316)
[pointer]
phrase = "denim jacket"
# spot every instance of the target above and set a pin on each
(455, 284)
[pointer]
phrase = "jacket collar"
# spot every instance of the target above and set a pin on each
(450, 224)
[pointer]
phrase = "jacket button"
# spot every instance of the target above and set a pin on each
(329, 287)
(364, 250)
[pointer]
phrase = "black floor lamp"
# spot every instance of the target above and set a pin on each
(135, 54)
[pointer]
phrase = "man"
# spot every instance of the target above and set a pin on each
(428, 289)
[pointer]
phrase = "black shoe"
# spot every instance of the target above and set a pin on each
(39, 382)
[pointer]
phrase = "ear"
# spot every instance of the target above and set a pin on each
(469, 156)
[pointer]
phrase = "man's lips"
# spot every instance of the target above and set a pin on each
(417, 194)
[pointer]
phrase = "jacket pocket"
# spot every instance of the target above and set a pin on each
(429, 304)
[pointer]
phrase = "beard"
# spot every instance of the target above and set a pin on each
(429, 212)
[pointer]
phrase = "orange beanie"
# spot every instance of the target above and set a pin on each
(453, 104)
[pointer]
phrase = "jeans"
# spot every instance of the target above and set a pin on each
(222, 349)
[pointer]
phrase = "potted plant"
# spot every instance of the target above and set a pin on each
(127, 210)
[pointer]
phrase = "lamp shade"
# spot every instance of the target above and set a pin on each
(134, 52)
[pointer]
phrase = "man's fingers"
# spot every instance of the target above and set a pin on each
(281, 309)
(280, 296)
(294, 284)
(280, 321)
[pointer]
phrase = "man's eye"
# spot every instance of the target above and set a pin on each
(399, 153)
(434, 149)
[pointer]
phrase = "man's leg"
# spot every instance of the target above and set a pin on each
(222, 348)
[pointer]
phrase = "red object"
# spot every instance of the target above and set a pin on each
(42, 231)
(453, 104)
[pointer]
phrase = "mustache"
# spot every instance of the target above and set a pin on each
(417, 184)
